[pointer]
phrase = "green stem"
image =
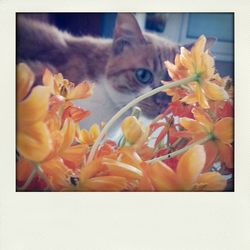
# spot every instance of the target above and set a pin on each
(43, 176)
(180, 151)
(30, 179)
(130, 105)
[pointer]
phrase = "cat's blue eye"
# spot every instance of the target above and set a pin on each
(144, 76)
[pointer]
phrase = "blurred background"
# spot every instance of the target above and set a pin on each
(179, 27)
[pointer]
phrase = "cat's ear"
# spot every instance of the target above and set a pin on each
(209, 43)
(126, 32)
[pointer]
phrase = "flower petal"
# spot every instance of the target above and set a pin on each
(57, 140)
(193, 126)
(23, 170)
(74, 155)
(34, 108)
(211, 181)
(201, 116)
(57, 174)
(34, 142)
(91, 170)
(189, 99)
(145, 183)
(190, 166)
(118, 168)
(84, 137)
(90, 136)
(75, 113)
(82, 90)
(129, 156)
(208, 66)
(223, 130)
(53, 122)
(48, 80)
(68, 132)
(162, 177)
(132, 129)
(197, 50)
(56, 102)
(105, 183)
(25, 79)
(201, 98)
(107, 148)
(186, 60)
(211, 150)
(226, 154)
(94, 131)
(214, 92)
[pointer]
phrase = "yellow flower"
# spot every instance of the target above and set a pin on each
(176, 71)
(65, 88)
(134, 132)
(89, 137)
(197, 62)
(188, 175)
(33, 137)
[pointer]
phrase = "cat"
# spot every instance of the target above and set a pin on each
(122, 68)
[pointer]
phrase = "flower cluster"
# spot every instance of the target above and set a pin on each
(189, 147)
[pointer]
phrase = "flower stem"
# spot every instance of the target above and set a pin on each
(30, 179)
(180, 151)
(130, 105)
(43, 176)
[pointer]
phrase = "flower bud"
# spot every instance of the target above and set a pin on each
(132, 129)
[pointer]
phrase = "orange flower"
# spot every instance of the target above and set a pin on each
(177, 93)
(117, 171)
(63, 146)
(107, 148)
(75, 113)
(33, 137)
(177, 72)
(89, 137)
(94, 177)
(65, 88)
(63, 161)
(221, 133)
(58, 174)
(197, 62)
(65, 158)
(188, 175)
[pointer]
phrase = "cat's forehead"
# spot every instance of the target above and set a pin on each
(149, 55)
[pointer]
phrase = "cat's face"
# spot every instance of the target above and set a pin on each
(137, 64)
